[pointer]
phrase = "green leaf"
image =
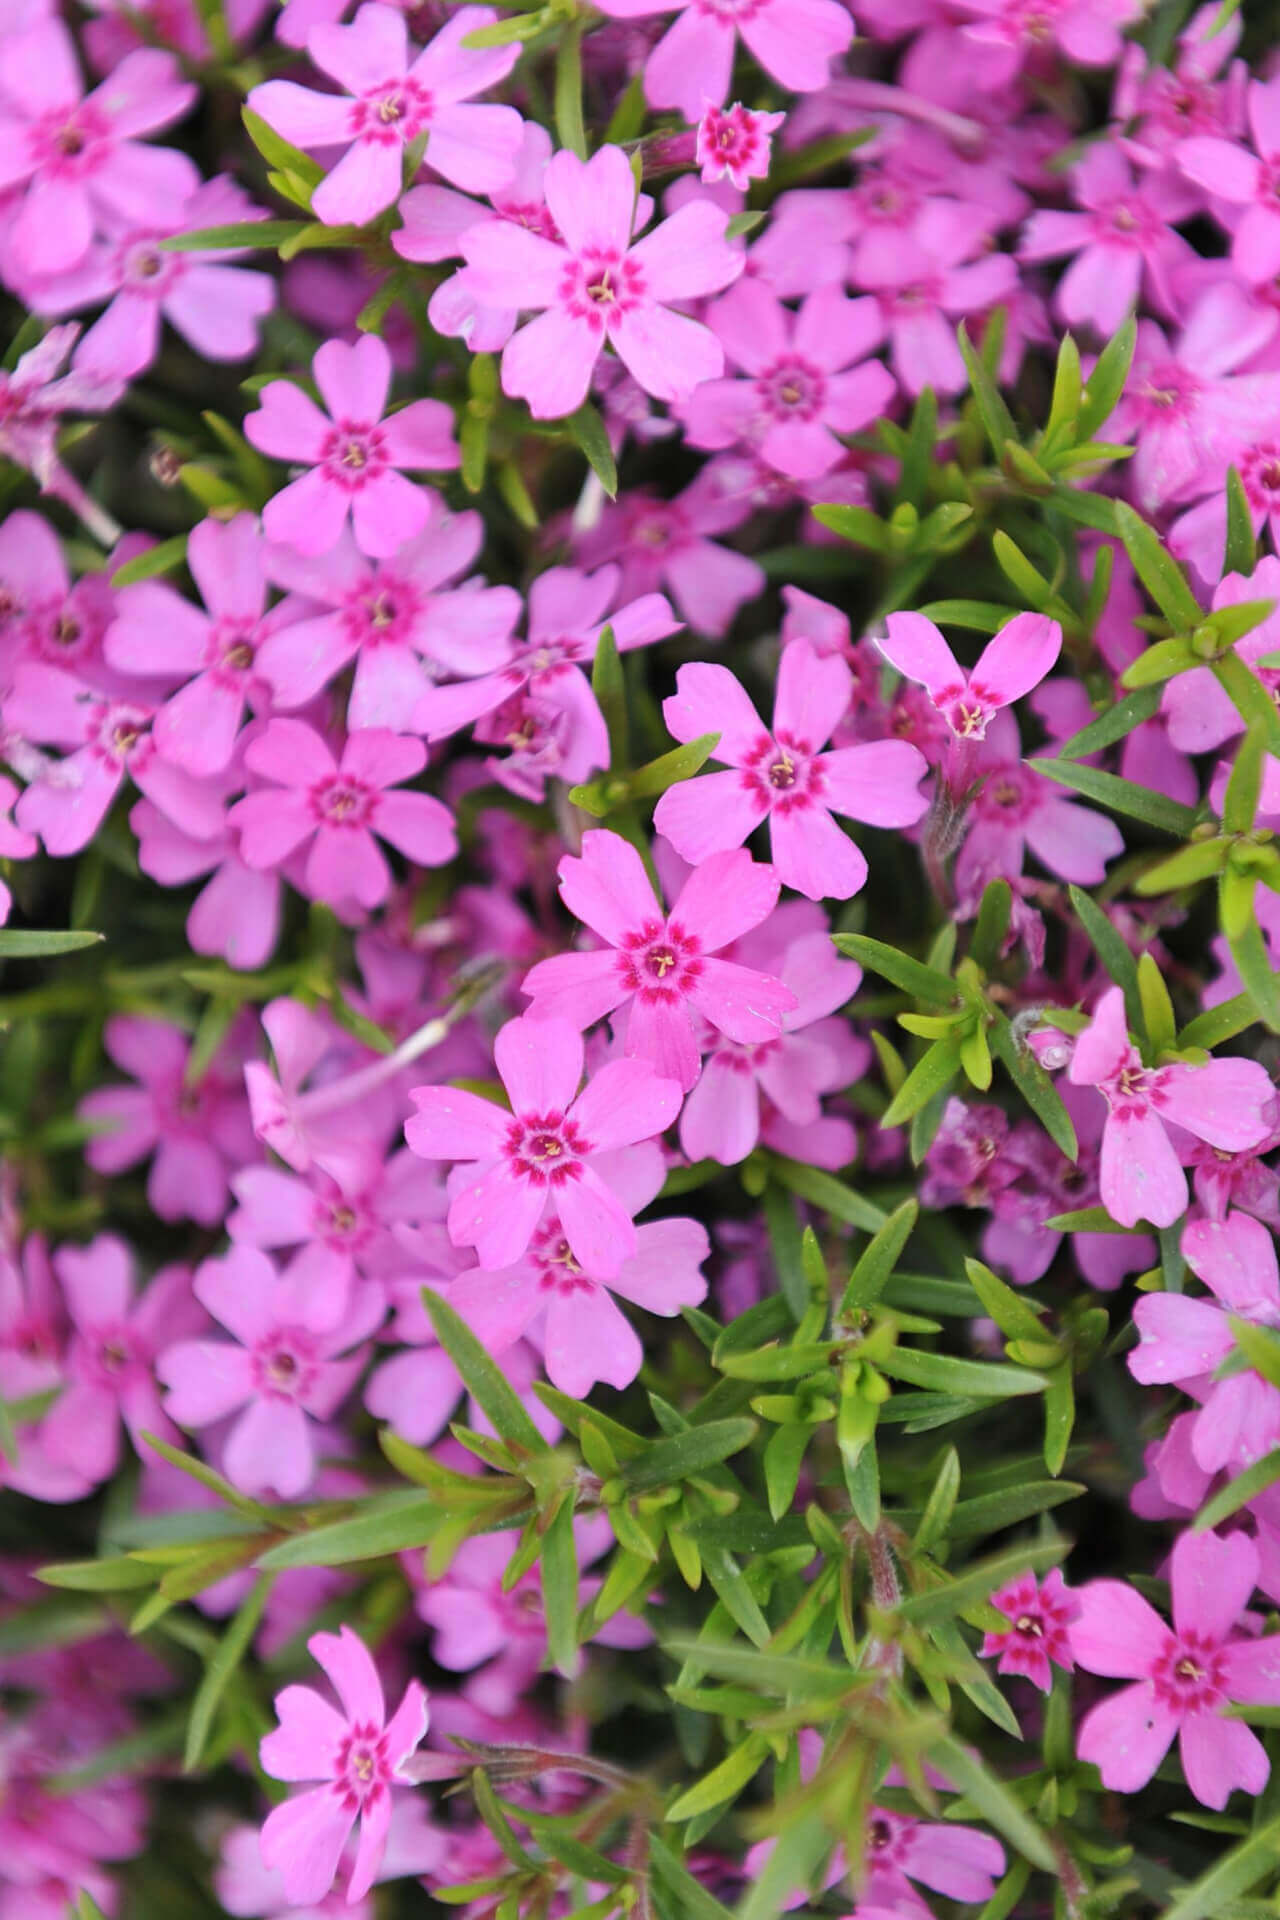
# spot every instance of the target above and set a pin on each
(1242, 548)
(218, 1674)
(1253, 962)
(19, 943)
(921, 982)
(1121, 796)
(680, 1456)
(277, 151)
(993, 1800)
(1029, 583)
(855, 524)
(1249, 697)
(1105, 384)
(676, 1894)
(988, 1513)
(1059, 1416)
(936, 1068)
(568, 95)
(1233, 1874)
(1117, 961)
(1197, 861)
(980, 616)
(1239, 1492)
(1064, 406)
(877, 1261)
(939, 1506)
(241, 233)
(823, 1190)
(783, 1458)
(1221, 1023)
(560, 1589)
(587, 430)
(1158, 571)
(504, 33)
(680, 764)
(98, 1576)
(1016, 1318)
(610, 692)
(1157, 1008)
(992, 924)
(1240, 801)
(945, 1373)
(484, 1381)
(391, 1523)
(996, 419)
(159, 559)
(1034, 1084)
(207, 1477)
(1117, 722)
(744, 223)
(725, 1782)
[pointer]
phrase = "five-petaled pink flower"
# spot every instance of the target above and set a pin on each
(1228, 1103)
(662, 966)
(357, 1754)
(390, 103)
(600, 285)
(1040, 1617)
(545, 1149)
(734, 144)
(338, 806)
(795, 42)
(1183, 1677)
(1014, 661)
(1247, 180)
(783, 776)
(353, 454)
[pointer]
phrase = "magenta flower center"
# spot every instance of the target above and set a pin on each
(337, 801)
(1260, 476)
(782, 771)
(353, 454)
(284, 1363)
(734, 11)
(362, 1771)
(1187, 1673)
(546, 1149)
(1168, 388)
(558, 1272)
(1128, 221)
(391, 113)
(70, 146)
(601, 286)
(231, 649)
(118, 732)
(660, 961)
(792, 389)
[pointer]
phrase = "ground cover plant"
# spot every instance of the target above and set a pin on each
(640, 693)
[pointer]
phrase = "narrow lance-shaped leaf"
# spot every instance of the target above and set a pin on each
(482, 1377)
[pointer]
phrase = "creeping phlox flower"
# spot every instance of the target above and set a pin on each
(734, 144)
(795, 42)
(1037, 1638)
(357, 1755)
(1009, 666)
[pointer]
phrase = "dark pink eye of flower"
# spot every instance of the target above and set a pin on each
(353, 454)
(340, 802)
(395, 111)
(547, 1150)
(792, 389)
(363, 1771)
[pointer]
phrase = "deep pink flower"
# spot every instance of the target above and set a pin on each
(673, 544)
(389, 103)
(929, 279)
(795, 42)
(599, 283)
(197, 1132)
(801, 387)
(398, 619)
(1183, 1677)
(358, 1755)
(1248, 180)
(1124, 240)
(1228, 1103)
(544, 1149)
(1009, 666)
(352, 452)
(662, 967)
(784, 776)
(14, 844)
(1037, 1637)
(960, 1862)
(734, 144)
(79, 156)
(335, 808)
(285, 1367)
(1015, 808)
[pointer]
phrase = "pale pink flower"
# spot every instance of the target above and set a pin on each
(1018, 33)
(237, 915)
(1198, 714)
(734, 144)
(1123, 240)
(795, 41)
(288, 1365)
(1037, 1637)
(960, 1862)
(1231, 173)
(14, 844)
(357, 1754)
(78, 156)
(353, 453)
(1182, 1677)
(928, 280)
(544, 1148)
(601, 284)
(390, 102)
(33, 398)
(1228, 1103)
(1009, 666)
(784, 776)
(662, 967)
(335, 808)
(801, 388)
(673, 544)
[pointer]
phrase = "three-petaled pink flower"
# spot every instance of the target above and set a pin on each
(1038, 1633)
(1183, 1676)
(338, 806)
(357, 1754)
(545, 1149)
(599, 286)
(1014, 661)
(392, 102)
(783, 776)
(1228, 1103)
(662, 966)
(353, 454)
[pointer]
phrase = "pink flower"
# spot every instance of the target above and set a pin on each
(397, 619)
(783, 775)
(353, 453)
(662, 967)
(1125, 235)
(335, 809)
(285, 1370)
(802, 386)
(671, 543)
(390, 103)
(237, 915)
(33, 397)
(157, 632)
(1014, 808)
(1229, 1103)
(1248, 180)
(78, 156)
(1009, 666)
(963, 1863)
(545, 1148)
(1183, 1677)
(357, 1754)
(1040, 1617)
(1185, 1340)
(1199, 715)
(926, 281)
(795, 42)
(596, 285)
(14, 844)
(110, 1368)
(1199, 536)
(1017, 33)
(196, 1131)
(734, 144)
